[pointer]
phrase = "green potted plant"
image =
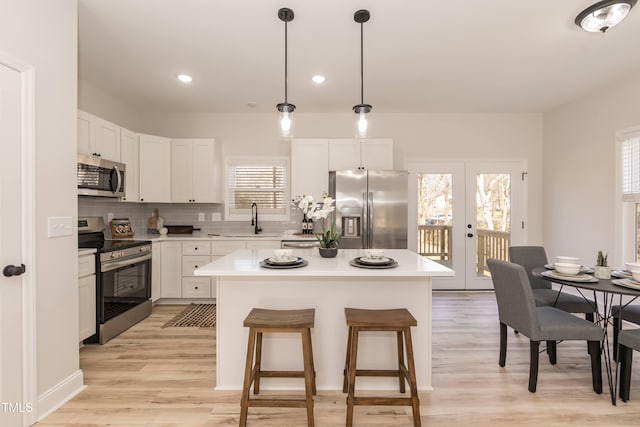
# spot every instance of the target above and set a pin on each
(602, 270)
(329, 237)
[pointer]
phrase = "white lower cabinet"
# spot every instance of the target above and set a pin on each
(156, 270)
(86, 296)
(171, 269)
(179, 258)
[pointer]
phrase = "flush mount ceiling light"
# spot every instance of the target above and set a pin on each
(285, 119)
(318, 79)
(603, 15)
(184, 78)
(363, 110)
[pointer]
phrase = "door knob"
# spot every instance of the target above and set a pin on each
(13, 270)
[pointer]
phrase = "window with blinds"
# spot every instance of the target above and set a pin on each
(630, 153)
(259, 181)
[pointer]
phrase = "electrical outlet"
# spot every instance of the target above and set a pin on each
(201, 216)
(215, 216)
(109, 216)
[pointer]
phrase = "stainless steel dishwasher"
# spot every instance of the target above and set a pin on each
(299, 244)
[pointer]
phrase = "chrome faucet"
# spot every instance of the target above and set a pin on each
(254, 218)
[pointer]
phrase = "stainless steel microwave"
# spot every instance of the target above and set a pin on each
(100, 177)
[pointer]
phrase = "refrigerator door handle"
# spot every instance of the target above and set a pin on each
(363, 222)
(370, 219)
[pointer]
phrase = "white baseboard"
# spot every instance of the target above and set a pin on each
(60, 394)
(184, 301)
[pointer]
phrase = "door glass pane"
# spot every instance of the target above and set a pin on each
(435, 202)
(493, 219)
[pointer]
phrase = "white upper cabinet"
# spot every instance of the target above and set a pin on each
(193, 171)
(309, 167)
(349, 154)
(129, 156)
(155, 168)
(98, 137)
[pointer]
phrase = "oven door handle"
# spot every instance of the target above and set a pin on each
(112, 265)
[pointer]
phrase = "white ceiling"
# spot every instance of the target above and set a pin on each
(465, 56)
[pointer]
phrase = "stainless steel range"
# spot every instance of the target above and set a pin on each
(123, 279)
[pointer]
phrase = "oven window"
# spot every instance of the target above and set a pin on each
(125, 288)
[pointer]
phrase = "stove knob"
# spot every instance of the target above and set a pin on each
(113, 255)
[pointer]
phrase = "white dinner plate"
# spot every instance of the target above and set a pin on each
(627, 283)
(571, 278)
(369, 260)
(286, 260)
(583, 269)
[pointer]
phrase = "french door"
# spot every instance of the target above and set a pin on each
(464, 212)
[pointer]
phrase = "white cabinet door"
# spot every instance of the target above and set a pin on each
(376, 154)
(205, 182)
(86, 306)
(129, 156)
(86, 296)
(155, 169)
(156, 270)
(344, 154)
(106, 140)
(181, 170)
(98, 137)
(171, 269)
(309, 167)
(349, 154)
(193, 171)
(84, 132)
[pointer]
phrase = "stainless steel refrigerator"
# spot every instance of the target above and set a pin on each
(371, 208)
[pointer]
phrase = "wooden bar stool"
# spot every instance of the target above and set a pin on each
(394, 320)
(260, 321)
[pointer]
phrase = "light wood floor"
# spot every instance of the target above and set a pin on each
(164, 377)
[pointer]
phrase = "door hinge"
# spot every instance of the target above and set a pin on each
(523, 174)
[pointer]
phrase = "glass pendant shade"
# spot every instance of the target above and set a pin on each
(604, 15)
(286, 122)
(362, 124)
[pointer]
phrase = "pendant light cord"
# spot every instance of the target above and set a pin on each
(285, 63)
(361, 63)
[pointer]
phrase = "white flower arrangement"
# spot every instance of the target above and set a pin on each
(320, 210)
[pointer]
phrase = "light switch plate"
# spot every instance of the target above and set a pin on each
(200, 216)
(215, 216)
(59, 226)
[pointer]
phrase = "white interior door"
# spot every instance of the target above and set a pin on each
(10, 249)
(463, 212)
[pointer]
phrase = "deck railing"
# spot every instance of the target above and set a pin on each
(434, 241)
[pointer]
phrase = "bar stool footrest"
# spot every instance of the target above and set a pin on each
(281, 374)
(273, 403)
(379, 373)
(383, 401)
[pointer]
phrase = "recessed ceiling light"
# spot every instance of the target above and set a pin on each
(318, 79)
(184, 78)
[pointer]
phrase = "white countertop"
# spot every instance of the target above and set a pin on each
(222, 236)
(245, 262)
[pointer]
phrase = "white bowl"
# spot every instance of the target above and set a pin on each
(567, 260)
(282, 253)
(636, 275)
(630, 266)
(567, 268)
(374, 253)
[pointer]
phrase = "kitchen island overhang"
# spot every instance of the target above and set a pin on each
(328, 285)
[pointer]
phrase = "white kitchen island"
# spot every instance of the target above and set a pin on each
(328, 285)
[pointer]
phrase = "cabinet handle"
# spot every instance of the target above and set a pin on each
(196, 288)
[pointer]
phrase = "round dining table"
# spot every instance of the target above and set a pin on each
(608, 290)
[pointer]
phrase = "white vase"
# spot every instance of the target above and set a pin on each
(602, 272)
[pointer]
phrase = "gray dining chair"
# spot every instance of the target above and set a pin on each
(535, 256)
(630, 313)
(629, 340)
(517, 309)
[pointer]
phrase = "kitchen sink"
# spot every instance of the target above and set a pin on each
(250, 235)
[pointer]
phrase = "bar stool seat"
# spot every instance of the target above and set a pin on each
(262, 320)
(393, 320)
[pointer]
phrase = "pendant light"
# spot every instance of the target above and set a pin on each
(285, 115)
(363, 122)
(601, 16)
